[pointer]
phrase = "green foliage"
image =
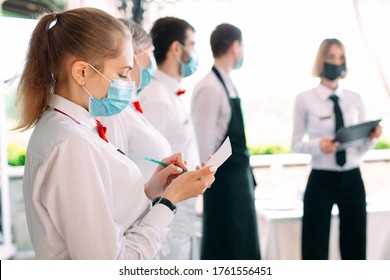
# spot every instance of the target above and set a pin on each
(268, 150)
(382, 144)
(16, 155)
(280, 149)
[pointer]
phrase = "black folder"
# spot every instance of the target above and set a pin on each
(355, 135)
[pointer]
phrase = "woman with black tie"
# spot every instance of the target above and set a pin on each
(335, 177)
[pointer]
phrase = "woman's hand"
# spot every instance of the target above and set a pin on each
(376, 132)
(190, 184)
(163, 176)
(328, 146)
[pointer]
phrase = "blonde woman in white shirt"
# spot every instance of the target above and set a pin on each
(129, 130)
(84, 199)
(335, 177)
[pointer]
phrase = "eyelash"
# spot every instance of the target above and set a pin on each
(122, 76)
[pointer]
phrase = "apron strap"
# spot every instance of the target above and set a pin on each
(216, 72)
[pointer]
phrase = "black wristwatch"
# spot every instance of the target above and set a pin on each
(166, 202)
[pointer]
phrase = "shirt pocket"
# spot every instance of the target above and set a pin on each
(351, 116)
(320, 124)
(320, 119)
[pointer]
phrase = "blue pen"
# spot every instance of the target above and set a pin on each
(159, 162)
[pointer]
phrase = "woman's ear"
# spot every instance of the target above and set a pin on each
(80, 71)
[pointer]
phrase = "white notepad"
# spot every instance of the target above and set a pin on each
(221, 155)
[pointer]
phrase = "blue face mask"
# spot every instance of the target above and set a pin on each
(147, 74)
(189, 68)
(118, 97)
(239, 64)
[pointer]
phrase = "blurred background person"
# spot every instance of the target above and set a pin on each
(335, 177)
(174, 42)
(144, 62)
(229, 216)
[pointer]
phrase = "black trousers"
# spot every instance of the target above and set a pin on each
(325, 188)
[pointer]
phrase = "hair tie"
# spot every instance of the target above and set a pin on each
(52, 22)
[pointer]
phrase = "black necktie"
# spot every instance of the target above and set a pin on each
(340, 155)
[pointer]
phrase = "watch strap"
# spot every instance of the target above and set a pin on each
(166, 202)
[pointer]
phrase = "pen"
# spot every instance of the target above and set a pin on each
(159, 162)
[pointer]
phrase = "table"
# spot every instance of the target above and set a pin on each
(280, 229)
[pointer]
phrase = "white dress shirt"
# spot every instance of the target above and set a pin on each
(85, 200)
(165, 110)
(130, 132)
(314, 117)
(211, 111)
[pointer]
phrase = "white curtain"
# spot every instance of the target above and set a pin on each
(373, 18)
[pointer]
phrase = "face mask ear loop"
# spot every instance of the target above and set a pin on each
(99, 73)
(82, 84)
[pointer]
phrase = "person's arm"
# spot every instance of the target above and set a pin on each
(205, 111)
(80, 206)
(300, 122)
(373, 137)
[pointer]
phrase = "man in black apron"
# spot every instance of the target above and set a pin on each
(229, 216)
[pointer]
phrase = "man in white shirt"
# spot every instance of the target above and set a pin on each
(173, 39)
(229, 216)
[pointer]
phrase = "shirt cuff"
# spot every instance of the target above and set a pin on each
(159, 217)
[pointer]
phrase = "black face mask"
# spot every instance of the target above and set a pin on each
(332, 72)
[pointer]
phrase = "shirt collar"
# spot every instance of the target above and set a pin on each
(325, 92)
(225, 76)
(172, 85)
(71, 109)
